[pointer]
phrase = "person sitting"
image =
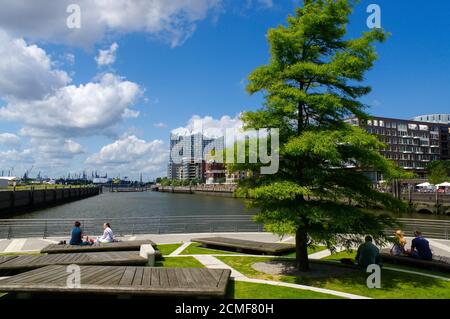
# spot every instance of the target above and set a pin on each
(398, 248)
(77, 235)
(420, 247)
(368, 253)
(108, 235)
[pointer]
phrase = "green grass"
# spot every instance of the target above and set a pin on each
(352, 255)
(167, 249)
(22, 254)
(340, 255)
(43, 186)
(311, 250)
(250, 290)
(196, 249)
(395, 285)
(181, 262)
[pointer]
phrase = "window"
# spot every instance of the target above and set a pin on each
(412, 126)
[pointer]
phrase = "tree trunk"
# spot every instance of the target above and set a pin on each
(301, 249)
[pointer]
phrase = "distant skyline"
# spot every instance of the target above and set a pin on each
(105, 97)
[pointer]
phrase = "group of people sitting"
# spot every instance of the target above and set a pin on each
(369, 254)
(77, 236)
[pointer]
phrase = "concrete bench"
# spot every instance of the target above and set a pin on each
(121, 281)
(413, 262)
(132, 245)
(245, 245)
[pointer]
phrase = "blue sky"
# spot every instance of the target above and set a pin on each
(192, 58)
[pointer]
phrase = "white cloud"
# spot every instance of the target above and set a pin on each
(209, 126)
(107, 57)
(69, 58)
(87, 109)
(26, 71)
(55, 148)
(172, 20)
(131, 154)
(9, 139)
(160, 125)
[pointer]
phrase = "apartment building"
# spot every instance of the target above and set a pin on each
(412, 144)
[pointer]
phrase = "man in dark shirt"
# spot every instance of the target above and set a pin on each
(368, 253)
(420, 247)
(76, 235)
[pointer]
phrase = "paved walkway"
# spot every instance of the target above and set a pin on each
(440, 247)
(210, 261)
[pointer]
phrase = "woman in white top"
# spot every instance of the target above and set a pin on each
(108, 235)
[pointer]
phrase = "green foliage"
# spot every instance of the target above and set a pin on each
(439, 172)
(311, 84)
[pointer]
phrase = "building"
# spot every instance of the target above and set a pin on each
(189, 153)
(443, 120)
(7, 181)
(433, 118)
(215, 172)
(411, 144)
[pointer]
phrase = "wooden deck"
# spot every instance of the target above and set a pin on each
(246, 245)
(113, 280)
(16, 264)
(132, 245)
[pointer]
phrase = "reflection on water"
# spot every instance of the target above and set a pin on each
(145, 204)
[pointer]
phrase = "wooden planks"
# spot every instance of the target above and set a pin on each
(247, 245)
(132, 245)
(118, 280)
(25, 263)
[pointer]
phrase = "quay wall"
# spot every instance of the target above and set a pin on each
(30, 199)
(212, 190)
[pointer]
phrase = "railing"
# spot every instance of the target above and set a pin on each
(23, 228)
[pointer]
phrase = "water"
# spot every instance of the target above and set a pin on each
(142, 204)
(148, 204)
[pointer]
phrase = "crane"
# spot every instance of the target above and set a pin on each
(27, 173)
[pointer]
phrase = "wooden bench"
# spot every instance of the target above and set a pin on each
(132, 245)
(413, 262)
(128, 281)
(18, 264)
(245, 245)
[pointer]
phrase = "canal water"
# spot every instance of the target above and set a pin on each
(141, 204)
(148, 204)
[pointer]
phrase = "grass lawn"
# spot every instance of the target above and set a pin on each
(22, 254)
(196, 249)
(311, 250)
(250, 290)
(352, 255)
(394, 284)
(167, 249)
(181, 262)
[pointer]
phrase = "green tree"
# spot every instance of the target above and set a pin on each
(311, 85)
(439, 172)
